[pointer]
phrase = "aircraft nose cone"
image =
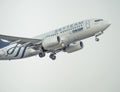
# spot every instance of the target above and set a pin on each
(107, 24)
(104, 25)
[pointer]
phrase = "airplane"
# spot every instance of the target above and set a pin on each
(67, 39)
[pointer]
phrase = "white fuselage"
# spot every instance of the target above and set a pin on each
(87, 28)
(68, 34)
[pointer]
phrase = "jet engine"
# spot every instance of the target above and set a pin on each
(51, 43)
(74, 47)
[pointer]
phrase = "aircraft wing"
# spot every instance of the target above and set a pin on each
(20, 40)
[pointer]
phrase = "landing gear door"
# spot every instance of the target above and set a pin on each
(87, 24)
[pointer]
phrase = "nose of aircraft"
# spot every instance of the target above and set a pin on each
(107, 24)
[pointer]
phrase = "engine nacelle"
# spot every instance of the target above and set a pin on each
(51, 43)
(74, 47)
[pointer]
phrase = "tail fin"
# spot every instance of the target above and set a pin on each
(3, 44)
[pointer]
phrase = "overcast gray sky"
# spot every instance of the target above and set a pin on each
(96, 68)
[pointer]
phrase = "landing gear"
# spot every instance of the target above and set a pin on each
(41, 54)
(52, 56)
(97, 34)
(97, 39)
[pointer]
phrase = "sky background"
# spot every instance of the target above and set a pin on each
(95, 68)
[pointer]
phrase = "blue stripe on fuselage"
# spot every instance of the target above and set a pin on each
(18, 51)
(23, 53)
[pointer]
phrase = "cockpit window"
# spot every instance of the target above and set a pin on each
(98, 20)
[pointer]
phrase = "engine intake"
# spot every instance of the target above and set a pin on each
(51, 43)
(74, 47)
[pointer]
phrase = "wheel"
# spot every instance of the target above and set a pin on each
(97, 39)
(52, 56)
(42, 54)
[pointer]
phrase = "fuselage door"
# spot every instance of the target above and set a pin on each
(87, 24)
